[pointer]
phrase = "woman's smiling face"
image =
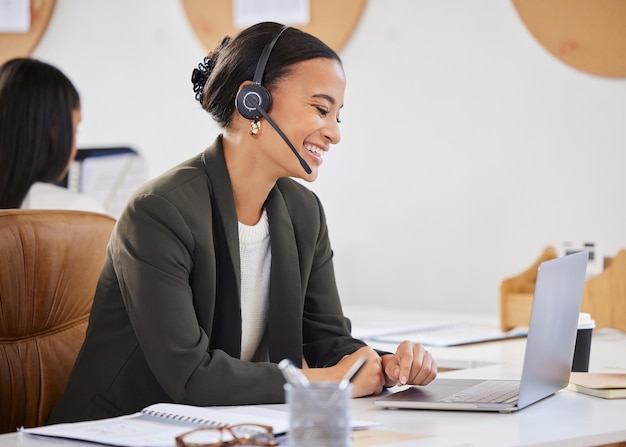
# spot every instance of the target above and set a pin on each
(305, 106)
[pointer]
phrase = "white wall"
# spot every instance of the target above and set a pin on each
(467, 148)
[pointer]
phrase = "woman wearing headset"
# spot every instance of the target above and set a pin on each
(222, 267)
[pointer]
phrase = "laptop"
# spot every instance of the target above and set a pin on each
(547, 359)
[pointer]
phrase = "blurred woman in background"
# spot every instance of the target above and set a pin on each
(39, 116)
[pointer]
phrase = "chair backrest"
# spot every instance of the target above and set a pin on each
(51, 262)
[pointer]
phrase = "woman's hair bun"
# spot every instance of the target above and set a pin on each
(200, 75)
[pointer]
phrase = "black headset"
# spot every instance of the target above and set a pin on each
(253, 101)
(254, 96)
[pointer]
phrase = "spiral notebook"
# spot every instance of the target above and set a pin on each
(158, 425)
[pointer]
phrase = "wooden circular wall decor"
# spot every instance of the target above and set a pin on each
(22, 44)
(333, 21)
(589, 35)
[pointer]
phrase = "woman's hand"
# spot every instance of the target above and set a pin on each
(368, 381)
(410, 365)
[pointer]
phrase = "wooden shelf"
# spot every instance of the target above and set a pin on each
(604, 296)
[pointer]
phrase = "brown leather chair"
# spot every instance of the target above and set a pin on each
(49, 267)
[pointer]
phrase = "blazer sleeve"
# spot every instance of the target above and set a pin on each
(326, 331)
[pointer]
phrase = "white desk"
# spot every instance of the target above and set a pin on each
(566, 419)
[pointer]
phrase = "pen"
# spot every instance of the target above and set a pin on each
(352, 372)
(292, 374)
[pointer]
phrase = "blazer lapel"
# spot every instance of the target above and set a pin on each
(226, 240)
(285, 295)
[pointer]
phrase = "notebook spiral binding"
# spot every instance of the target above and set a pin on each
(182, 418)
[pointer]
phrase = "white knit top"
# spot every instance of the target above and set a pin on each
(256, 259)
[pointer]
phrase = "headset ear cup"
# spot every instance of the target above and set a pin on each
(251, 97)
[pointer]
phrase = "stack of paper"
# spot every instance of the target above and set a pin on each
(605, 385)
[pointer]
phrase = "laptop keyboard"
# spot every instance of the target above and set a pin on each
(490, 391)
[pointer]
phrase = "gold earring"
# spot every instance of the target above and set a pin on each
(255, 127)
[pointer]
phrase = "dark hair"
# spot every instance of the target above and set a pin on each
(36, 131)
(233, 61)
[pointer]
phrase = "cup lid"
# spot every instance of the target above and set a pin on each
(585, 321)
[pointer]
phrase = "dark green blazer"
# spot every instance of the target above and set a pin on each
(166, 323)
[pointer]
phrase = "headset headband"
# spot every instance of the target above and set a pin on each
(260, 68)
